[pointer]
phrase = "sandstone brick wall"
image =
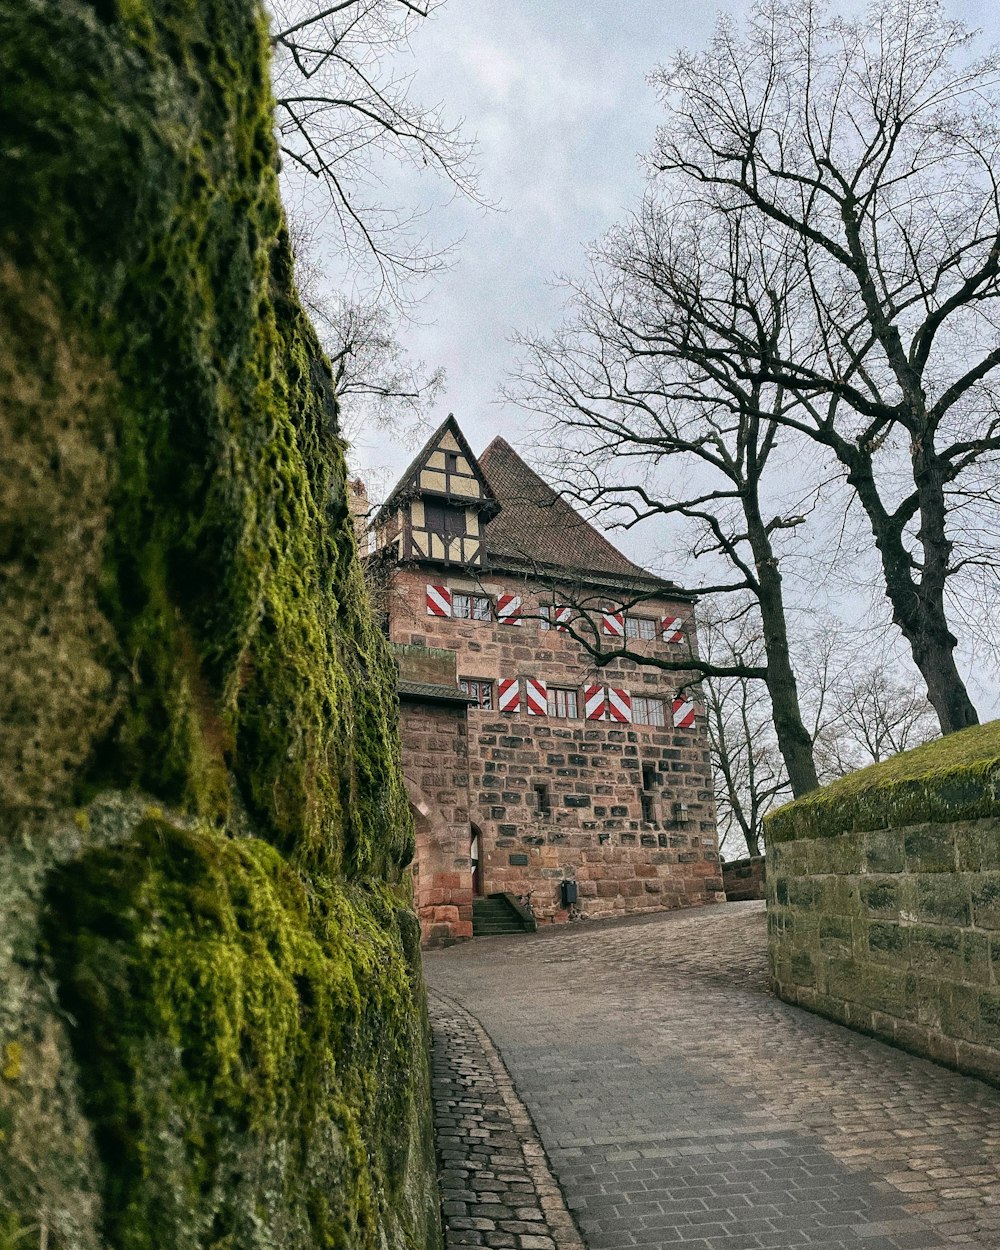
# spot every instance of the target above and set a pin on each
(744, 879)
(895, 932)
(595, 830)
(436, 770)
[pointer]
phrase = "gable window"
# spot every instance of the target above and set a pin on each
(471, 607)
(451, 461)
(562, 702)
(479, 689)
(444, 519)
(640, 627)
(648, 711)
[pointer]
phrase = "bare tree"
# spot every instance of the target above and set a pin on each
(869, 150)
(343, 109)
(747, 769)
(871, 713)
(651, 422)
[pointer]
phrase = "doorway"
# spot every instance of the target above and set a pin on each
(475, 855)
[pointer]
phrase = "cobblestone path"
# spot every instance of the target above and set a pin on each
(682, 1106)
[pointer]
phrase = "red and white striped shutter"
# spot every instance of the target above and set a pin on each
(508, 694)
(438, 601)
(536, 696)
(619, 705)
(509, 609)
(613, 623)
(595, 703)
(562, 617)
(673, 629)
(683, 714)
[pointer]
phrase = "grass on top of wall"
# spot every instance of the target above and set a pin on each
(952, 778)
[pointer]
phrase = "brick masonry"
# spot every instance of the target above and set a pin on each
(627, 811)
(895, 932)
(744, 879)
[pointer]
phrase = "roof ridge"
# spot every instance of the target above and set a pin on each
(559, 499)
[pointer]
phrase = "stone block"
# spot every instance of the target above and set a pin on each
(989, 1018)
(936, 950)
(976, 963)
(944, 899)
(960, 1013)
(929, 848)
(883, 851)
(985, 893)
(889, 943)
(802, 968)
(881, 896)
(977, 843)
(835, 936)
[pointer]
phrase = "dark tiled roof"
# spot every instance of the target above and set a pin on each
(536, 527)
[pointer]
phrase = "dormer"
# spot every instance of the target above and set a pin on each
(440, 505)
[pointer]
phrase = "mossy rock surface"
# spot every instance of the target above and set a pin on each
(954, 778)
(212, 1029)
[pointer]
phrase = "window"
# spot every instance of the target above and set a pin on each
(648, 815)
(648, 776)
(443, 519)
(562, 702)
(470, 607)
(553, 616)
(640, 627)
(648, 711)
(542, 804)
(480, 690)
(451, 461)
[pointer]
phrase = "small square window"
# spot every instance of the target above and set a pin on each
(471, 607)
(643, 627)
(480, 689)
(648, 711)
(562, 703)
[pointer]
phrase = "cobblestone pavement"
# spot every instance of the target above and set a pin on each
(496, 1186)
(682, 1106)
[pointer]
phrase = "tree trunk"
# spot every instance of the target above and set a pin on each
(794, 740)
(918, 604)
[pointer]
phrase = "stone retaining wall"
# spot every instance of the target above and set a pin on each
(744, 879)
(895, 932)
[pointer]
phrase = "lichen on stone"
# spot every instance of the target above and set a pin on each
(212, 1029)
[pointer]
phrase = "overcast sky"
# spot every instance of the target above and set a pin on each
(555, 92)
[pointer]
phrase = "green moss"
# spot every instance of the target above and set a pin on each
(951, 779)
(210, 968)
(235, 1026)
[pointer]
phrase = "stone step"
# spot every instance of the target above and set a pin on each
(493, 916)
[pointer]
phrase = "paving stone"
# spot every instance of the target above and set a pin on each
(496, 1187)
(682, 1106)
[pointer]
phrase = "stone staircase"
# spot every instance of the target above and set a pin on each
(494, 915)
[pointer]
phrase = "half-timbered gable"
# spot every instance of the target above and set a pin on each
(438, 509)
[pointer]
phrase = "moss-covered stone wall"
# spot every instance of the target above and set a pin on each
(212, 1030)
(883, 897)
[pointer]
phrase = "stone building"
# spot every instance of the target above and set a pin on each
(572, 787)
